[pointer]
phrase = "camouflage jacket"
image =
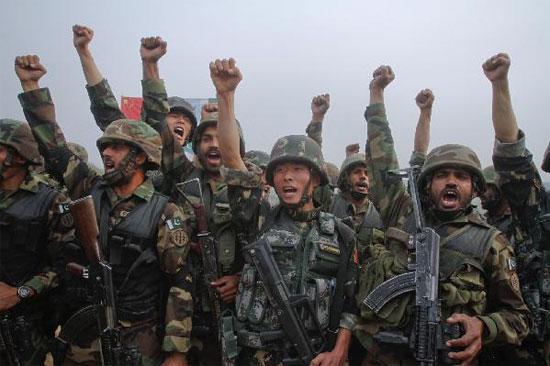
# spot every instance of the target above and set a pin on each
(256, 219)
(60, 231)
(172, 240)
(493, 295)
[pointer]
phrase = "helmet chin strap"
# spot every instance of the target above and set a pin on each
(127, 167)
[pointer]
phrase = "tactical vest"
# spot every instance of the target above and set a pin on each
(308, 264)
(23, 235)
(131, 249)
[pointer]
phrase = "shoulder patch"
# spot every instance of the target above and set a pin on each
(174, 223)
(63, 208)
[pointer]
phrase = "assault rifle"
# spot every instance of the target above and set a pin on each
(99, 272)
(429, 334)
(288, 307)
(208, 251)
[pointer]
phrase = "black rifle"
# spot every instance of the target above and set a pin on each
(429, 333)
(207, 249)
(288, 307)
(99, 272)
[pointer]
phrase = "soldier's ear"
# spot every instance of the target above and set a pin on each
(315, 179)
(141, 158)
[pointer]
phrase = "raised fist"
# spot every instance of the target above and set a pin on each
(207, 109)
(320, 104)
(152, 49)
(82, 36)
(496, 67)
(29, 69)
(225, 75)
(425, 99)
(381, 77)
(352, 149)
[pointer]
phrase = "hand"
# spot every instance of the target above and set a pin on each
(208, 109)
(227, 287)
(496, 68)
(29, 70)
(470, 341)
(82, 36)
(320, 105)
(329, 359)
(352, 149)
(152, 49)
(381, 77)
(175, 359)
(425, 99)
(225, 75)
(8, 297)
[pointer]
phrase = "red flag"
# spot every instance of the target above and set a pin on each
(131, 107)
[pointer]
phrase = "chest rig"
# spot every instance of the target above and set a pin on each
(23, 235)
(131, 250)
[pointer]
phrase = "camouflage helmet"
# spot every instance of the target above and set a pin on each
(257, 157)
(452, 155)
(490, 175)
(333, 173)
(78, 150)
(19, 137)
(180, 105)
(347, 166)
(299, 149)
(211, 120)
(135, 133)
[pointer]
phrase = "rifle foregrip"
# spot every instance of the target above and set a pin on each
(85, 220)
(389, 290)
(76, 269)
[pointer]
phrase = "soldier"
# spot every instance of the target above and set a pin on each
(546, 160)
(143, 235)
(34, 228)
(260, 159)
(199, 185)
(479, 287)
(313, 250)
(514, 207)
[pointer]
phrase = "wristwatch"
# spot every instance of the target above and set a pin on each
(24, 292)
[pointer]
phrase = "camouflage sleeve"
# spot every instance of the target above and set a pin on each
(381, 158)
(519, 181)
(175, 165)
(417, 158)
(350, 311)
(103, 104)
(507, 318)
(60, 232)
(315, 131)
(61, 163)
(172, 248)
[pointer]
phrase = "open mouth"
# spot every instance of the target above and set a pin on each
(362, 187)
(179, 131)
(213, 157)
(108, 164)
(288, 193)
(450, 198)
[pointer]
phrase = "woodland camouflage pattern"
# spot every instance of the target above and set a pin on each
(18, 135)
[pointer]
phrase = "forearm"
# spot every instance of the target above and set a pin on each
(103, 104)
(504, 119)
(150, 70)
(376, 96)
(228, 132)
(315, 130)
(343, 341)
(91, 72)
(422, 134)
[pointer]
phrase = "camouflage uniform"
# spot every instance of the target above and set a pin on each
(477, 279)
(34, 228)
(309, 248)
(520, 185)
(166, 239)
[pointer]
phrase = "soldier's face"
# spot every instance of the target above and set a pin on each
(451, 189)
(15, 165)
(291, 181)
(209, 150)
(359, 180)
(113, 154)
(180, 125)
(490, 199)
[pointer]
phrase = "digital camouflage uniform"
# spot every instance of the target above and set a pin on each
(308, 247)
(160, 247)
(520, 185)
(477, 279)
(34, 228)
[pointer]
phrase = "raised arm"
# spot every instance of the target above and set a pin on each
(319, 107)
(103, 103)
(39, 111)
(424, 101)
(352, 149)
(226, 76)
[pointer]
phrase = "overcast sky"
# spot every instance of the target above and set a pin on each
(289, 51)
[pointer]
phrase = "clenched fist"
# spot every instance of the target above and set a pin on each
(320, 105)
(425, 99)
(82, 36)
(381, 77)
(29, 70)
(496, 68)
(225, 75)
(352, 149)
(152, 49)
